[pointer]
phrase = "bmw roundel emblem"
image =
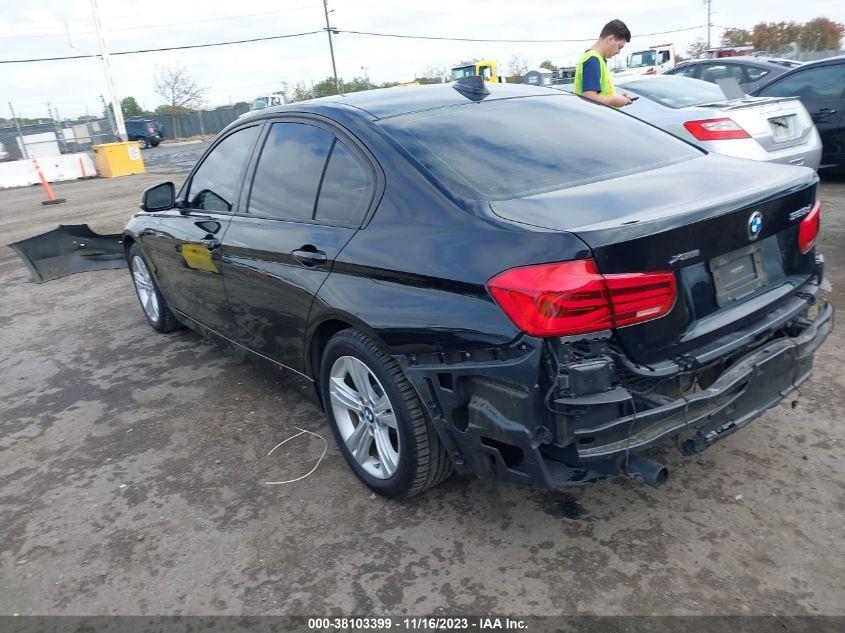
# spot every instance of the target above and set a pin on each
(755, 225)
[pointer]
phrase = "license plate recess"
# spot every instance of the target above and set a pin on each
(738, 274)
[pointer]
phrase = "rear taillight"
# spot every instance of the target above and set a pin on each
(716, 129)
(150, 129)
(573, 297)
(651, 72)
(808, 230)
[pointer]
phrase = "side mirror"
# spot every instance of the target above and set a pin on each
(159, 198)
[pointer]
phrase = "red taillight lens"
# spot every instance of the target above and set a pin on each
(716, 129)
(808, 230)
(573, 297)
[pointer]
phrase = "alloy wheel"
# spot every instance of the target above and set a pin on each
(145, 288)
(365, 417)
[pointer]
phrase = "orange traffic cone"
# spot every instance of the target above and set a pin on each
(51, 198)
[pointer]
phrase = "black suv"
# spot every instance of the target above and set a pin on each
(146, 131)
(509, 281)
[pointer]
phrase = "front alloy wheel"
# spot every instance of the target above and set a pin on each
(145, 288)
(158, 314)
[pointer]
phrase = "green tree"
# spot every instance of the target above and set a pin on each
(325, 88)
(357, 84)
(736, 37)
(130, 107)
(548, 65)
(821, 34)
(301, 93)
(169, 109)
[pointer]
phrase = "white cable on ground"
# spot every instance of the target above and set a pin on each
(301, 431)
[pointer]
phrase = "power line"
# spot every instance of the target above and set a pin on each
(334, 30)
(169, 48)
(475, 39)
(158, 26)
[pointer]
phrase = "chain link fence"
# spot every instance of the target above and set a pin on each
(70, 137)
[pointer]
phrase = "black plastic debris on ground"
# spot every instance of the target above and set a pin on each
(69, 249)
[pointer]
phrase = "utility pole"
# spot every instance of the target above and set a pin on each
(331, 48)
(709, 24)
(20, 134)
(104, 54)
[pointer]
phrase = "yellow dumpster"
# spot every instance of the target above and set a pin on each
(118, 159)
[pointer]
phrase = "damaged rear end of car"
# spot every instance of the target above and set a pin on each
(700, 307)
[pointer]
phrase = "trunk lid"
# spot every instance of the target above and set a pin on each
(699, 228)
(774, 122)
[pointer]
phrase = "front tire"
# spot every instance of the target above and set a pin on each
(152, 301)
(378, 420)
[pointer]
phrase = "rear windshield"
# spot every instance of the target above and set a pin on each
(675, 92)
(510, 148)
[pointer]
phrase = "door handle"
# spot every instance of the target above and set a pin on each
(309, 257)
(824, 112)
(210, 243)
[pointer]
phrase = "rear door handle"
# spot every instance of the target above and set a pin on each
(310, 258)
(210, 243)
(824, 112)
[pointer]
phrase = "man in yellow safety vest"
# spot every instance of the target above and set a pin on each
(592, 76)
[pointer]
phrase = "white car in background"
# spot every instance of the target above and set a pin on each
(773, 129)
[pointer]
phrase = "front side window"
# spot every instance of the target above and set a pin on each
(540, 144)
(815, 84)
(289, 171)
(755, 74)
(685, 71)
(641, 59)
(217, 181)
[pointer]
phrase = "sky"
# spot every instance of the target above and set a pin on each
(38, 28)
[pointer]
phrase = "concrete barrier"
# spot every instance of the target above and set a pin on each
(20, 173)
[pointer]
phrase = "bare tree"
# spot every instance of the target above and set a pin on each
(179, 90)
(697, 48)
(517, 66)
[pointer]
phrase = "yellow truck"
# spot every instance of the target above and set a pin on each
(487, 68)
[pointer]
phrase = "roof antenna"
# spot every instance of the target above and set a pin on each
(472, 87)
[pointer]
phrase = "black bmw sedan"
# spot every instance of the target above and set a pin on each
(513, 283)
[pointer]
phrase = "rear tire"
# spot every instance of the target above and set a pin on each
(153, 303)
(143, 143)
(384, 435)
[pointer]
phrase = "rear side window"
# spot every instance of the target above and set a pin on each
(345, 192)
(289, 171)
(215, 184)
(510, 148)
(714, 72)
(675, 92)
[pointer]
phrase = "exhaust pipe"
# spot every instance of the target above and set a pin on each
(647, 472)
